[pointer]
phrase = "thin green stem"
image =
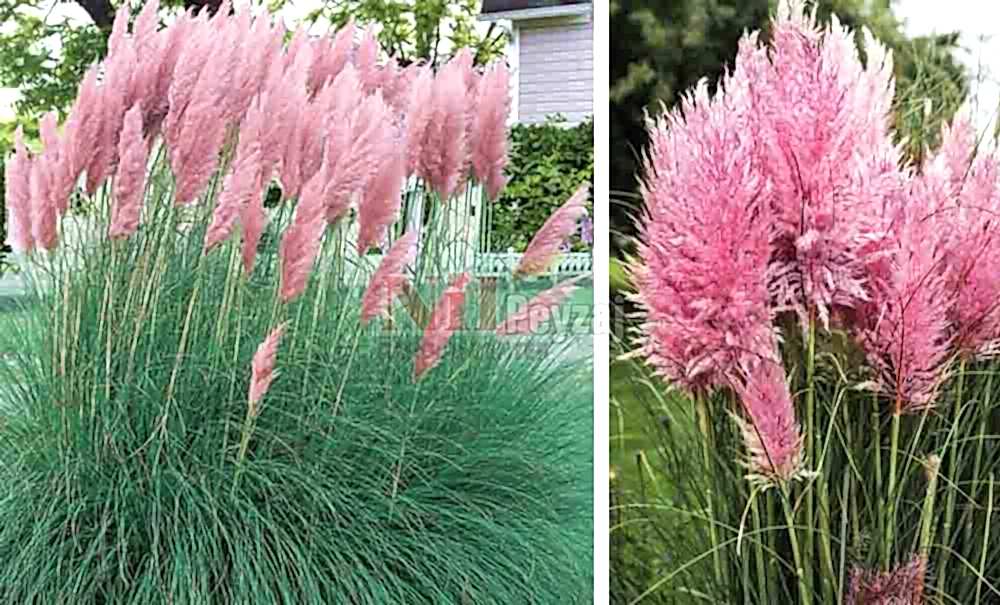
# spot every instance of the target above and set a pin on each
(891, 514)
(705, 426)
(952, 455)
(805, 592)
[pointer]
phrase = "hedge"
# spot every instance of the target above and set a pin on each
(548, 162)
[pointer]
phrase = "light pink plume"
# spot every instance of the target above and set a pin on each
(381, 200)
(17, 177)
(366, 61)
(419, 113)
(388, 279)
(54, 158)
(443, 149)
(489, 129)
(529, 318)
(544, 247)
(771, 434)
(301, 240)
(241, 185)
(130, 179)
(262, 367)
(253, 220)
(355, 168)
(445, 320)
(44, 227)
(83, 124)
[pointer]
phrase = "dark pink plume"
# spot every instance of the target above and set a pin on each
(130, 179)
(262, 367)
(356, 167)
(445, 320)
(489, 129)
(544, 247)
(381, 200)
(537, 311)
(389, 278)
(17, 177)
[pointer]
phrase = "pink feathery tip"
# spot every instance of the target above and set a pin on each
(355, 168)
(906, 332)
(83, 125)
(388, 280)
(815, 104)
(544, 247)
(705, 249)
(241, 184)
(253, 220)
(381, 200)
(366, 61)
(301, 241)
(489, 129)
(770, 432)
(529, 318)
(443, 148)
(445, 320)
(419, 113)
(130, 179)
(902, 584)
(17, 177)
(44, 221)
(262, 367)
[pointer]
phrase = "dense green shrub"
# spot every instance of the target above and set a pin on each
(547, 164)
(123, 482)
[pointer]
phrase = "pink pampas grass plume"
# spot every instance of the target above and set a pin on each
(44, 228)
(419, 113)
(443, 151)
(130, 178)
(544, 247)
(489, 129)
(445, 320)
(903, 584)
(262, 367)
(301, 240)
(702, 284)
(907, 338)
(241, 185)
(529, 318)
(388, 280)
(771, 434)
(253, 220)
(83, 124)
(355, 166)
(17, 180)
(381, 200)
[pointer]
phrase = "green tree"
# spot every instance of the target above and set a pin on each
(660, 49)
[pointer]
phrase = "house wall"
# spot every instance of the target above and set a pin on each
(555, 68)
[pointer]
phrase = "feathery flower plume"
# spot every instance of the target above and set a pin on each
(445, 320)
(903, 584)
(262, 367)
(44, 228)
(529, 318)
(381, 200)
(331, 57)
(705, 250)
(83, 124)
(241, 185)
(489, 129)
(130, 179)
(301, 240)
(356, 166)
(419, 112)
(770, 432)
(443, 148)
(816, 105)
(388, 280)
(366, 62)
(253, 220)
(907, 335)
(17, 181)
(544, 247)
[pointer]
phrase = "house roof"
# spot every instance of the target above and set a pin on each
(532, 9)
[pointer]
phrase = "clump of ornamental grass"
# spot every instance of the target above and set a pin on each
(827, 314)
(209, 402)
